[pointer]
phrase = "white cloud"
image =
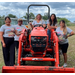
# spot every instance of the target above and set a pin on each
(37, 10)
(20, 9)
(3, 8)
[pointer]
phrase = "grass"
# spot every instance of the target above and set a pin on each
(1, 58)
(70, 54)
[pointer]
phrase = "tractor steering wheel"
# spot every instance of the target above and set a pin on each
(38, 25)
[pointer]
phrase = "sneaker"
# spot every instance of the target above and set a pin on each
(65, 65)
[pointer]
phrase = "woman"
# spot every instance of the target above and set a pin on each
(38, 20)
(7, 40)
(63, 33)
(52, 24)
(18, 29)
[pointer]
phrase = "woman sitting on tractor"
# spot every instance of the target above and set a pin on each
(52, 24)
(38, 20)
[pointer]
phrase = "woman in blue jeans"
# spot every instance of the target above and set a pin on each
(52, 24)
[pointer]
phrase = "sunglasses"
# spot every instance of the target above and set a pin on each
(20, 21)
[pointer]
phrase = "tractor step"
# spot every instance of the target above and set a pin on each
(38, 59)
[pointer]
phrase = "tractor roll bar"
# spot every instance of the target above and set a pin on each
(38, 5)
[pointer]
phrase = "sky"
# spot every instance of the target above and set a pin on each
(61, 9)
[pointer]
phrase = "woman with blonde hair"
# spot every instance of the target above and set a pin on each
(63, 33)
(38, 20)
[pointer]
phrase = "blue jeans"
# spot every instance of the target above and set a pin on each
(49, 36)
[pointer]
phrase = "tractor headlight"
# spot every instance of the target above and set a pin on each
(39, 39)
(44, 39)
(33, 39)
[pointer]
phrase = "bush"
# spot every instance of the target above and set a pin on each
(70, 24)
(1, 23)
(66, 20)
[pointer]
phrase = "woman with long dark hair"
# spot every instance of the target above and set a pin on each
(52, 21)
(7, 33)
(52, 24)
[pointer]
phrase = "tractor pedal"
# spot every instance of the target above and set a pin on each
(28, 46)
(48, 55)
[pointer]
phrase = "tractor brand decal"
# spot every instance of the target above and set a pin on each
(37, 59)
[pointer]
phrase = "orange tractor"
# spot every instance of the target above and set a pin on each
(38, 50)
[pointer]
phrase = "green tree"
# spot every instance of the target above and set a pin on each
(66, 20)
(45, 17)
(1, 22)
(25, 16)
(31, 16)
(12, 16)
(2, 16)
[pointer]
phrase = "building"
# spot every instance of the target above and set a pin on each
(14, 21)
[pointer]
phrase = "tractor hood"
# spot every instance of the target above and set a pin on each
(38, 31)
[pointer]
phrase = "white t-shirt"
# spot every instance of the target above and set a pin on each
(62, 36)
(19, 29)
(9, 31)
(51, 24)
(35, 22)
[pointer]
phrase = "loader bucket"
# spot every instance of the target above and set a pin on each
(36, 69)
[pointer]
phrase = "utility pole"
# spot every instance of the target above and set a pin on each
(19, 15)
(6, 13)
